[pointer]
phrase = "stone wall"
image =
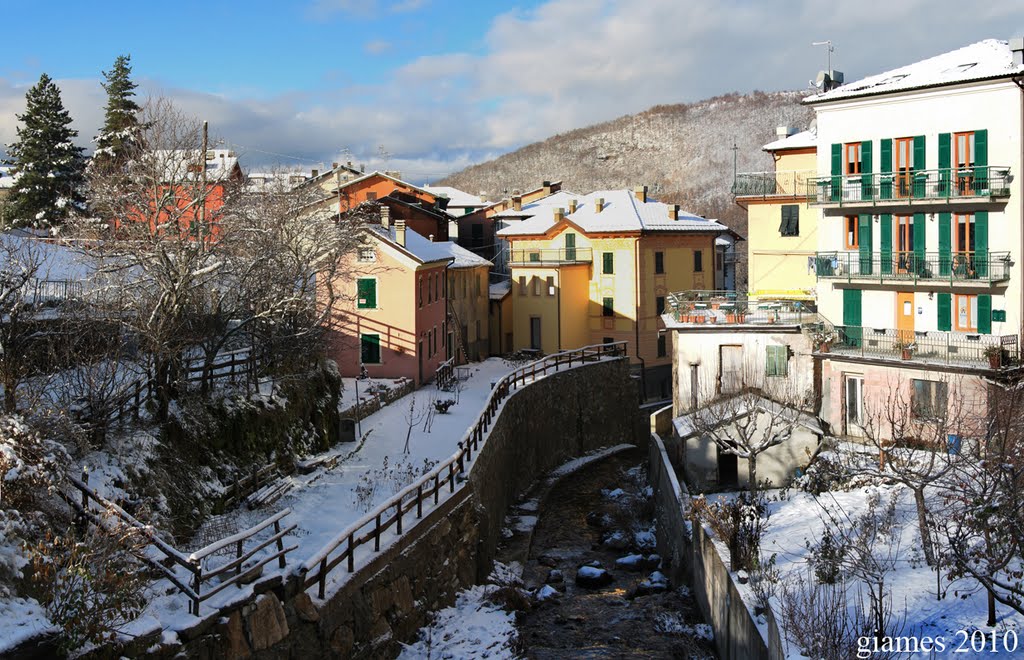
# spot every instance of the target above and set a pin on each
(387, 600)
(670, 498)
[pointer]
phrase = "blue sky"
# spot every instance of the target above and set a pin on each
(440, 84)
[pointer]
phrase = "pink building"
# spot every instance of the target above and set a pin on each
(391, 314)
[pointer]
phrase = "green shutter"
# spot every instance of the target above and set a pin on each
(981, 243)
(366, 292)
(608, 263)
(945, 245)
(866, 193)
(885, 241)
(919, 188)
(864, 242)
(981, 160)
(837, 170)
(985, 314)
(919, 245)
(769, 361)
(944, 163)
(885, 167)
(776, 358)
(369, 349)
(851, 316)
(570, 247)
(945, 315)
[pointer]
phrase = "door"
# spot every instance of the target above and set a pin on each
(730, 371)
(903, 166)
(728, 469)
(853, 401)
(905, 244)
(535, 333)
(905, 316)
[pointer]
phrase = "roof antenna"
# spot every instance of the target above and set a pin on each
(831, 49)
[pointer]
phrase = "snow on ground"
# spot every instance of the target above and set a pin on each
(369, 389)
(798, 520)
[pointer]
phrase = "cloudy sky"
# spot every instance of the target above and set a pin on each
(430, 86)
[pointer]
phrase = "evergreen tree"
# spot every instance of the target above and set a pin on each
(49, 188)
(121, 123)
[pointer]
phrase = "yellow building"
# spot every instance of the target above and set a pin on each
(600, 269)
(782, 231)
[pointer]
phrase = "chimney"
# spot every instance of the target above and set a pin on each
(598, 204)
(559, 214)
(641, 193)
(362, 167)
(334, 166)
(349, 164)
(673, 211)
(546, 186)
(316, 173)
(385, 217)
(572, 206)
(1017, 50)
(784, 131)
(517, 202)
(431, 238)
(400, 232)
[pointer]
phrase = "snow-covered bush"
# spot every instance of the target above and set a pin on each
(815, 618)
(826, 557)
(387, 480)
(29, 465)
(740, 523)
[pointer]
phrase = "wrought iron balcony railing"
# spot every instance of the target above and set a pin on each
(729, 307)
(951, 348)
(764, 184)
(550, 256)
(894, 188)
(965, 267)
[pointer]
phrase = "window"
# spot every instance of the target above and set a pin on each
(790, 220)
(777, 362)
(966, 313)
(608, 307)
(659, 304)
(854, 400)
(608, 263)
(430, 289)
(607, 340)
(522, 285)
(963, 158)
(371, 197)
(476, 235)
(437, 286)
(366, 293)
(662, 348)
(851, 235)
(852, 151)
(928, 400)
(420, 292)
(903, 165)
(659, 263)
(536, 285)
(963, 234)
(369, 349)
(904, 243)
(698, 261)
(367, 254)
(551, 286)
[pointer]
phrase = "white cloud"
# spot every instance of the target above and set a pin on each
(562, 65)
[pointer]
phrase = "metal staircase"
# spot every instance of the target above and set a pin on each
(456, 326)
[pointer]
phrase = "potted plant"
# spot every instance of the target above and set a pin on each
(905, 348)
(822, 338)
(995, 356)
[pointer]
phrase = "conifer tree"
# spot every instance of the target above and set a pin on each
(48, 164)
(121, 122)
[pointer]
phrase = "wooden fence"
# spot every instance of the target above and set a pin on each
(444, 377)
(427, 490)
(225, 574)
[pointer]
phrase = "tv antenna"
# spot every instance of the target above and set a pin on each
(831, 49)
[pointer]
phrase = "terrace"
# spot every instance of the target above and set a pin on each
(929, 348)
(948, 185)
(550, 256)
(703, 307)
(786, 183)
(984, 268)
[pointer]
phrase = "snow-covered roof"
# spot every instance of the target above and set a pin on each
(620, 212)
(499, 290)
(801, 140)
(273, 181)
(984, 60)
(427, 251)
(184, 164)
(345, 184)
(456, 198)
(725, 240)
(559, 199)
(726, 410)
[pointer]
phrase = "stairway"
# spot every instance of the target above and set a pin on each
(456, 328)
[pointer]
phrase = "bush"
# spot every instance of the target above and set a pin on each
(827, 556)
(388, 479)
(740, 523)
(30, 466)
(442, 405)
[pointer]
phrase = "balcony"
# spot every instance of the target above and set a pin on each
(895, 189)
(550, 257)
(932, 347)
(788, 183)
(729, 308)
(968, 268)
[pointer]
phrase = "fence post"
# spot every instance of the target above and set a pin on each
(323, 578)
(197, 583)
(376, 535)
(238, 555)
(451, 476)
(82, 520)
(437, 487)
(280, 544)
(398, 517)
(419, 501)
(351, 553)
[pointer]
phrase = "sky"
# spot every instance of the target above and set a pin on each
(428, 87)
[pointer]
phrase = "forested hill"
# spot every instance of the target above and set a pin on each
(683, 153)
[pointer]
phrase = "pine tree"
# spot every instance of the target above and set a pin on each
(48, 164)
(121, 123)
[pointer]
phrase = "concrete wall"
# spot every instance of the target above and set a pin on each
(389, 599)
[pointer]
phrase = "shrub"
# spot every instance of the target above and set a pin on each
(740, 523)
(29, 465)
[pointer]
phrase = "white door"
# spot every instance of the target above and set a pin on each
(853, 402)
(730, 372)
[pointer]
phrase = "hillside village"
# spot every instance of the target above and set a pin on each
(224, 390)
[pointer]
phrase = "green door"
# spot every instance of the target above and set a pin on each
(852, 316)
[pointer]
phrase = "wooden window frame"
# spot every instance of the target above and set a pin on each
(971, 301)
(903, 173)
(852, 158)
(851, 221)
(962, 162)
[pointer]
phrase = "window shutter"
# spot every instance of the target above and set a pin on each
(919, 180)
(851, 315)
(885, 167)
(864, 242)
(945, 160)
(945, 247)
(608, 266)
(865, 170)
(885, 242)
(985, 314)
(919, 243)
(981, 160)
(769, 367)
(837, 169)
(945, 315)
(366, 292)
(981, 243)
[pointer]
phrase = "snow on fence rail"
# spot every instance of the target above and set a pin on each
(192, 586)
(342, 548)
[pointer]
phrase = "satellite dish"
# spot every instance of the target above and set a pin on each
(822, 80)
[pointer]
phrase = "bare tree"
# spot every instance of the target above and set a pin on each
(20, 260)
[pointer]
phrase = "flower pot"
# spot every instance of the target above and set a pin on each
(823, 347)
(730, 317)
(700, 318)
(995, 361)
(714, 319)
(906, 353)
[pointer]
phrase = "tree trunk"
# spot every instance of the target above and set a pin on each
(161, 379)
(991, 608)
(10, 396)
(752, 474)
(922, 522)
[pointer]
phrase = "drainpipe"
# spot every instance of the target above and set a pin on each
(636, 319)
(558, 302)
(1020, 301)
